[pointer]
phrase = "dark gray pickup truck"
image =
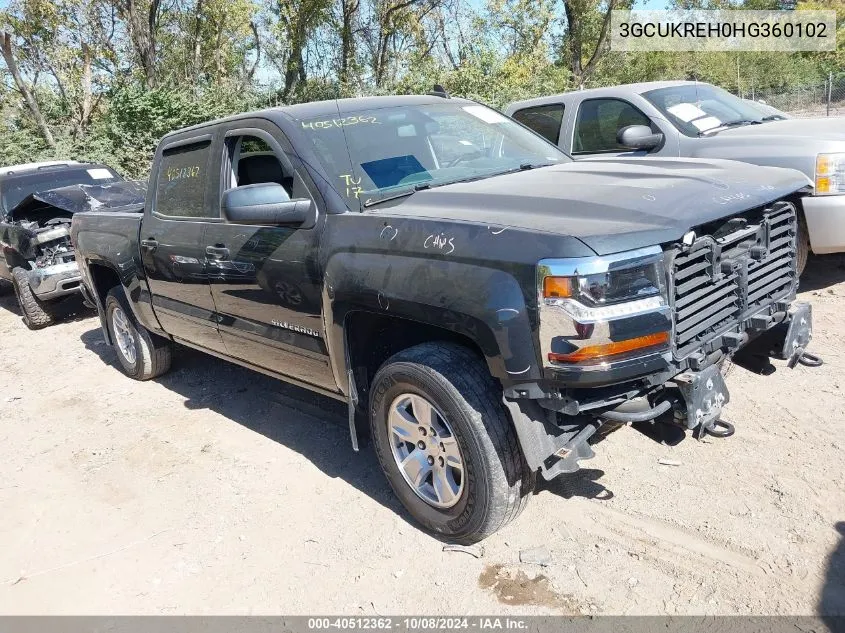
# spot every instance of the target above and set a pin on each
(484, 302)
(37, 201)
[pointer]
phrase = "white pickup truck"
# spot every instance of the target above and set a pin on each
(698, 120)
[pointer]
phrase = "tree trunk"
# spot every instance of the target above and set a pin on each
(247, 78)
(576, 45)
(295, 67)
(347, 39)
(218, 49)
(387, 34)
(8, 52)
(295, 25)
(294, 70)
(196, 61)
(87, 107)
(574, 35)
(142, 32)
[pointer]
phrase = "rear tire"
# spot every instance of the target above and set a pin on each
(36, 314)
(142, 355)
(494, 484)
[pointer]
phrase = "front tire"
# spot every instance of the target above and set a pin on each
(803, 246)
(446, 443)
(36, 314)
(142, 355)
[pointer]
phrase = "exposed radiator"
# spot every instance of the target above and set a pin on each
(720, 280)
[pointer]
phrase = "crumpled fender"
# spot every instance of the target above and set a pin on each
(485, 305)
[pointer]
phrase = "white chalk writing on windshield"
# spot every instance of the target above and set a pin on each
(342, 122)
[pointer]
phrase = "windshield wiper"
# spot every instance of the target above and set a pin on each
(729, 124)
(370, 202)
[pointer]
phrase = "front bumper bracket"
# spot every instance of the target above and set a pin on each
(798, 334)
(704, 393)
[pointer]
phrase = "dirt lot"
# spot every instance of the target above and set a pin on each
(217, 490)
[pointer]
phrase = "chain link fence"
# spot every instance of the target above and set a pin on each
(826, 99)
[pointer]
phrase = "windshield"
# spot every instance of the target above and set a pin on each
(396, 150)
(768, 112)
(696, 109)
(16, 188)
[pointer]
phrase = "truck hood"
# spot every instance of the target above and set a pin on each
(830, 129)
(793, 143)
(80, 198)
(611, 205)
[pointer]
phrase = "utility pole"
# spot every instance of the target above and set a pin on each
(829, 90)
(738, 89)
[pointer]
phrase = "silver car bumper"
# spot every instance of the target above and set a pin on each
(825, 217)
(55, 281)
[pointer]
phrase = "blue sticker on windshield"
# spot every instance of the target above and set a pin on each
(389, 172)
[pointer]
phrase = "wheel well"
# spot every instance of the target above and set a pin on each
(799, 206)
(104, 279)
(373, 338)
(15, 260)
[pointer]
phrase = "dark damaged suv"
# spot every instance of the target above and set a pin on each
(485, 303)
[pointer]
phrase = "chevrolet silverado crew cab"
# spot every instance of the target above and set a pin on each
(699, 120)
(486, 303)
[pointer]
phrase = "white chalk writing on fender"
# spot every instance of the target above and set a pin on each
(441, 242)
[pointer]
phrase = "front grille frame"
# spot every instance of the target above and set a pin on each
(745, 267)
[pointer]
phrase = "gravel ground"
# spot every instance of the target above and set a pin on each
(214, 489)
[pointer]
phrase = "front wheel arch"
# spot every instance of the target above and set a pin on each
(804, 247)
(370, 339)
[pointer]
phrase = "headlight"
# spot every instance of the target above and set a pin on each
(619, 292)
(830, 174)
(595, 308)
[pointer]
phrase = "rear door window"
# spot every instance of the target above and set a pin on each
(544, 119)
(181, 184)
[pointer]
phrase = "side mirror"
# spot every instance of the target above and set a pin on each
(639, 137)
(265, 203)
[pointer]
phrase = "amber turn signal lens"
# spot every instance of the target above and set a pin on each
(823, 169)
(822, 184)
(557, 287)
(822, 164)
(596, 352)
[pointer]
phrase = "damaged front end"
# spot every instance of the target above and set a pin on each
(53, 271)
(36, 234)
(38, 243)
(642, 337)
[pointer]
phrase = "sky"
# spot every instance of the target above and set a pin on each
(651, 5)
(639, 4)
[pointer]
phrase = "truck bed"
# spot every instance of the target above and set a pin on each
(110, 236)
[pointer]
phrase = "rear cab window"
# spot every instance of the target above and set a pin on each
(181, 181)
(545, 120)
